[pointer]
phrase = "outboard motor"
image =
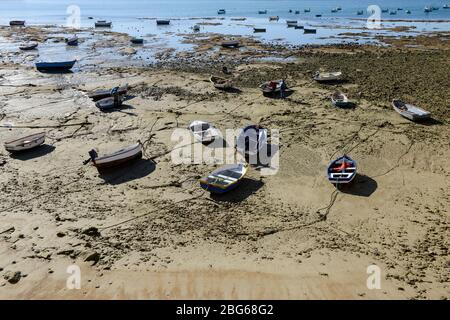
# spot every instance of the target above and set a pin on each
(93, 154)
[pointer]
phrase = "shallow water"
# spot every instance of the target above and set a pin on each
(137, 18)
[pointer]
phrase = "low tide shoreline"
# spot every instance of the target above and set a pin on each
(157, 236)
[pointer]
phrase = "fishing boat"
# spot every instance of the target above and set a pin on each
(101, 94)
(393, 12)
(203, 131)
(327, 76)
(307, 10)
(110, 103)
(274, 18)
(299, 27)
(292, 24)
(384, 10)
(230, 44)
(409, 111)
(309, 30)
(334, 10)
(427, 9)
(55, 66)
(196, 28)
(259, 30)
(408, 11)
(17, 23)
(162, 22)
(342, 170)
(224, 179)
(339, 8)
(251, 140)
(360, 12)
(270, 87)
(238, 19)
(30, 46)
(262, 12)
(117, 158)
(103, 24)
(338, 99)
(446, 6)
(135, 40)
(25, 143)
(221, 83)
(318, 15)
(221, 11)
(72, 41)
(297, 11)
(399, 9)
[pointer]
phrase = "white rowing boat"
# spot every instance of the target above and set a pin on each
(25, 143)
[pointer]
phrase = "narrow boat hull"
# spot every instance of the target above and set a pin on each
(409, 111)
(118, 158)
(55, 66)
(25, 143)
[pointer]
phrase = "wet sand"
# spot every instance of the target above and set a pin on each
(149, 231)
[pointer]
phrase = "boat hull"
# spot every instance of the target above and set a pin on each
(118, 159)
(345, 175)
(55, 66)
(25, 143)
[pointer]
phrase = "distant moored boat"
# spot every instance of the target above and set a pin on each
(17, 23)
(55, 66)
(103, 24)
(221, 11)
(30, 46)
(162, 22)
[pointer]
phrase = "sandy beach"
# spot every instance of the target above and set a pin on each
(148, 231)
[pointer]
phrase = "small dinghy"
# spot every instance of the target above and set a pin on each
(393, 12)
(307, 10)
(360, 12)
(291, 21)
(297, 11)
(409, 111)
(238, 19)
(262, 12)
(230, 44)
(225, 178)
(162, 22)
(137, 40)
(30, 46)
(103, 24)
(342, 170)
(203, 131)
(196, 28)
(309, 30)
(299, 27)
(16, 23)
(318, 15)
(221, 83)
(338, 99)
(328, 76)
(274, 18)
(291, 24)
(271, 87)
(221, 11)
(55, 66)
(259, 30)
(251, 140)
(117, 158)
(112, 102)
(384, 10)
(101, 94)
(25, 143)
(72, 41)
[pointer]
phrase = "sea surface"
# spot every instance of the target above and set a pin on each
(137, 18)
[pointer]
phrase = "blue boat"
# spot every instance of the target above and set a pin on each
(225, 178)
(342, 170)
(55, 66)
